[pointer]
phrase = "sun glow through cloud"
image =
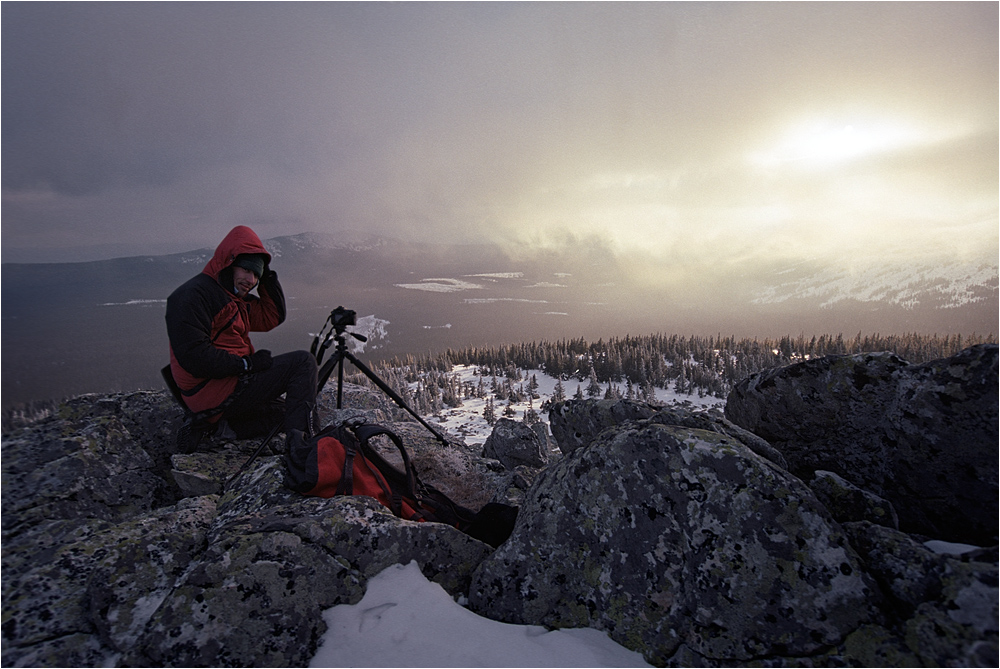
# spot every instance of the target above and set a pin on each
(688, 135)
(826, 143)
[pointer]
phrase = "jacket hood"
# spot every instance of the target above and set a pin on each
(240, 239)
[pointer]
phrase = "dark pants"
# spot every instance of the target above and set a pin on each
(257, 407)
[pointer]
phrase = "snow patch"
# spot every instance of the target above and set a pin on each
(440, 285)
(132, 303)
(499, 275)
(404, 620)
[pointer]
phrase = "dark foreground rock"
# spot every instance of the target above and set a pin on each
(671, 537)
(924, 437)
(682, 535)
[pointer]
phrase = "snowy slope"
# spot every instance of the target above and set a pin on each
(468, 422)
(937, 285)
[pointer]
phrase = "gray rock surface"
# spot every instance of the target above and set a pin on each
(576, 423)
(515, 443)
(108, 560)
(947, 606)
(923, 437)
(848, 503)
(663, 536)
(694, 546)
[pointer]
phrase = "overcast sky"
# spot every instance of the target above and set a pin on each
(667, 130)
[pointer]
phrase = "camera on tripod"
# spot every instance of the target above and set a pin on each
(338, 321)
(341, 318)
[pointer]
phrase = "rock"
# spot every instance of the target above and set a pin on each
(680, 542)
(549, 445)
(513, 484)
(666, 536)
(821, 413)
(848, 502)
(923, 437)
(946, 607)
(89, 470)
(515, 443)
(274, 561)
(97, 573)
(455, 469)
(576, 423)
(944, 428)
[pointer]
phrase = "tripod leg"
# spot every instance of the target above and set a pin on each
(274, 431)
(392, 395)
(336, 360)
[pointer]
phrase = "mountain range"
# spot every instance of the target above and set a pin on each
(70, 328)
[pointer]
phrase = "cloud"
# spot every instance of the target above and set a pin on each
(621, 127)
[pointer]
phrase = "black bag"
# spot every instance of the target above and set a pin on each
(339, 460)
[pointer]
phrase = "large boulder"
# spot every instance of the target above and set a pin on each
(944, 605)
(274, 561)
(575, 423)
(515, 443)
(677, 541)
(924, 437)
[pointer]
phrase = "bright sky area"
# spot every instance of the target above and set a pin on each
(670, 131)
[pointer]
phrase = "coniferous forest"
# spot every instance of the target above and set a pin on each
(631, 366)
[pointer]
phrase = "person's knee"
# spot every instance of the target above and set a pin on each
(305, 359)
(304, 367)
(299, 360)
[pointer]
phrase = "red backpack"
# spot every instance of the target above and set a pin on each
(341, 461)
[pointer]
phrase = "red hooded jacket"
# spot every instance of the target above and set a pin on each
(209, 325)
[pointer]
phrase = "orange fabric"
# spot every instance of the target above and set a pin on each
(330, 458)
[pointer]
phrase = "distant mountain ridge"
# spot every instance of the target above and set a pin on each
(355, 241)
(346, 241)
(935, 285)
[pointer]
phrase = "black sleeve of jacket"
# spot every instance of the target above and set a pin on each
(190, 310)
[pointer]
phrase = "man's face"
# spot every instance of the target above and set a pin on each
(243, 281)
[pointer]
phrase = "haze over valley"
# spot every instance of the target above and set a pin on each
(71, 328)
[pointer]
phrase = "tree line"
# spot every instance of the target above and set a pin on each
(632, 366)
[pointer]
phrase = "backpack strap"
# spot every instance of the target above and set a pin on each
(408, 477)
(352, 446)
(346, 485)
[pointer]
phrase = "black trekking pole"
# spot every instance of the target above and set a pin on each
(260, 449)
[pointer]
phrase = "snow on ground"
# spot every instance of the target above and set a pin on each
(468, 422)
(404, 620)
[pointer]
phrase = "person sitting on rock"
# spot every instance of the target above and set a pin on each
(215, 367)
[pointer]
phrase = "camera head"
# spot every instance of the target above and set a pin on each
(339, 320)
(342, 318)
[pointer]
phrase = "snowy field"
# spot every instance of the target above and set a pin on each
(468, 422)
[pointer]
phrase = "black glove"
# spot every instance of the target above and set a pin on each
(258, 362)
(269, 276)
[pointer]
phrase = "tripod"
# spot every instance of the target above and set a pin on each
(338, 333)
